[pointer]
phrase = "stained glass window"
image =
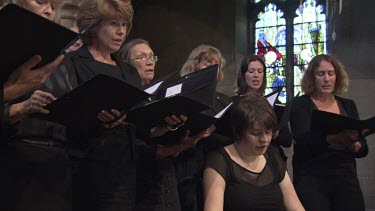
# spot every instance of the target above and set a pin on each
(309, 38)
(270, 43)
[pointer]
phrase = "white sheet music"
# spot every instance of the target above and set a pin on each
(153, 88)
(218, 115)
(173, 90)
(272, 99)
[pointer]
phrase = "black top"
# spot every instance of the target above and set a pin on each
(106, 143)
(246, 190)
(312, 154)
(36, 128)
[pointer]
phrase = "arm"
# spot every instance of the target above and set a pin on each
(24, 79)
(307, 142)
(32, 105)
(352, 139)
(284, 137)
(213, 190)
(184, 144)
(291, 201)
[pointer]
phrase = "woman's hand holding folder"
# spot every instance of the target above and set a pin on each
(112, 118)
(35, 104)
(26, 79)
(348, 138)
(172, 123)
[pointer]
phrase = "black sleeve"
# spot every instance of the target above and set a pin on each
(217, 161)
(284, 138)
(307, 142)
(364, 147)
(279, 165)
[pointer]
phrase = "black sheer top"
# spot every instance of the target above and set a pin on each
(246, 190)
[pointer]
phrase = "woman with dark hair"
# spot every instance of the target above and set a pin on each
(324, 166)
(138, 53)
(252, 80)
(247, 175)
(156, 173)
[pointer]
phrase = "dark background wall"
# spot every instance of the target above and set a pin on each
(174, 28)
(355, 43)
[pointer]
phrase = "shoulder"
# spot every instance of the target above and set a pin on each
(276, 162)
(218, 160)
(216, 154)
(301, 99)
(344, 100)
(301, 102)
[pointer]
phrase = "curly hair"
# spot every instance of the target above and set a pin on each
(308, 81)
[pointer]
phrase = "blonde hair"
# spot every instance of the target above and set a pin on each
(111, 9)
(308, 81)
(200, 53)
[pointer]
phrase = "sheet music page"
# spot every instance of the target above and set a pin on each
(153, 88)
(272, 99)
(218, 115)
(173, 90)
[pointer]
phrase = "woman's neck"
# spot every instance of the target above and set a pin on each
(321, 97)
(244, 155)
(101, 55)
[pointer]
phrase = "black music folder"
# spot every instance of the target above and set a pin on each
(331, 123)
(25, 34)
(78, 109)
(198, 122)
(187, 95)
(223, 125)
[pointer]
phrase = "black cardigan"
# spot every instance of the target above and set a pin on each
(312, 153)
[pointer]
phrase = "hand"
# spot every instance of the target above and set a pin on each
(24, 79)
(172, 123)
(35, 104)
(190, 141)
(355, 146)
(111, 119)
(346, 137)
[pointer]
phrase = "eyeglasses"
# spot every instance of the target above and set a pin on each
(144, 58)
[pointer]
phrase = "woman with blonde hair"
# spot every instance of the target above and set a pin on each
(202, 57)
(190, 164)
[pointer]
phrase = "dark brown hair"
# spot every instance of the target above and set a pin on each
(241, 85)
(248, 111)
(308, 80)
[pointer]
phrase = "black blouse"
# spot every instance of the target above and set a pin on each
(312, 154)
(246, 190)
